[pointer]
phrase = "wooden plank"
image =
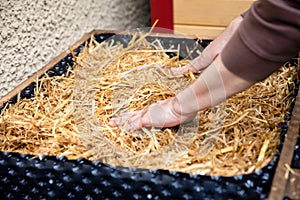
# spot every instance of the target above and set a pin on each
(203, 32)
(280, 180)
(207, 12)
(293, 185)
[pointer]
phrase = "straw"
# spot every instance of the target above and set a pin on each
(68, 115)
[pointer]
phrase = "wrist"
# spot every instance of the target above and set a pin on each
(178, 111)
(186, 103)
(234, 24)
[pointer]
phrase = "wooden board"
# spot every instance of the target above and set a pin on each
(206, 18)
(209, 13)
(283, 175)
(293, 185)
(203, 32)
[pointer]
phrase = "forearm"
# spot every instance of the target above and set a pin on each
(258, 45)
(216, 46)
(213, 86)
(266, 39)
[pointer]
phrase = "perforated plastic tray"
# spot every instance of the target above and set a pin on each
(28, 177)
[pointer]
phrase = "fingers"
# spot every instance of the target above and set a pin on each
(183, 70)
(131, 120)
(138, 120)
(152, 116)
(157, 115)
(197, 64)
(211, 51)
(117, 121)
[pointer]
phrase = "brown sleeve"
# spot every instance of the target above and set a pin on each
(244, 13)
(268, 37)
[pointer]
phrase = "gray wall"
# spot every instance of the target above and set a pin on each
(33, 32)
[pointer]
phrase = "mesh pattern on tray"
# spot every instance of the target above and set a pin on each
(48, 177)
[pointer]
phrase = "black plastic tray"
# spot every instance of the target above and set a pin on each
(29, 177)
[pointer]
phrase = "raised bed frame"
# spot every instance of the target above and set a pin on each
(26, 176)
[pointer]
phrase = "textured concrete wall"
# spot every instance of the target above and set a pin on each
(33, 32)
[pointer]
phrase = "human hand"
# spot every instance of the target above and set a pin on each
(166, 113)
(213, 86)
(211, 51)
(203, 93)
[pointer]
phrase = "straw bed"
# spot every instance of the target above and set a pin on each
(68, 116)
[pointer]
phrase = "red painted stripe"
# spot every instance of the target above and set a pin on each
(163, 11)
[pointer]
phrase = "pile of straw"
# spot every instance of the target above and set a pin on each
(69, 115)
(122, 80)
(43, 125)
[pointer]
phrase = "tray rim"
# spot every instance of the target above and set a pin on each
(281, 175)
